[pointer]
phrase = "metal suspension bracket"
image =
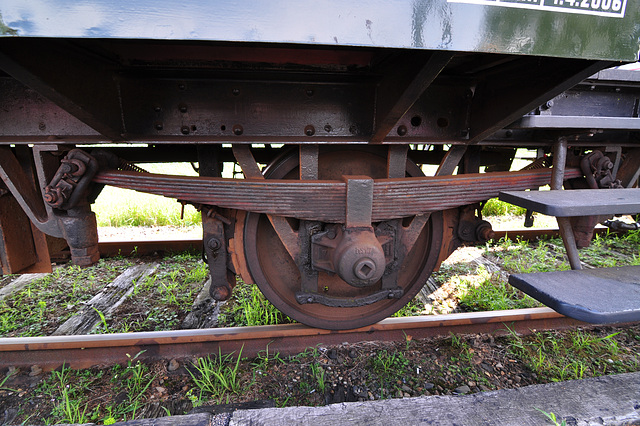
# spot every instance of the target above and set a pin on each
(599, 171)
(69, 185)
(355, 252)
(67, 193)
(215, 248)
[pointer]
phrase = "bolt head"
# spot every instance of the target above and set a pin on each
(214, 244)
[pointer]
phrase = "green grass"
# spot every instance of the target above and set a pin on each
(492, 293)
(249, 307)
(524, 257)
(574, 355)
(495, 207)
(47, 302)
(72, 404)
(160, 301)
(217, 376)
(122, 207)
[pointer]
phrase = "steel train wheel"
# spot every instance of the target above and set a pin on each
(277, 275)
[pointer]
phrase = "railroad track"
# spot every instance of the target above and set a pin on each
(83, 351)
(118, 248)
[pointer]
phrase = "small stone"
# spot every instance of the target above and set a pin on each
(429, 386)
(35, 371)
(406, 395)
(499, 366)
(173, 365)
(399, 394)
(359, 391)
(462, 389)
(471, 383)
(353, 353)
(160, 389)
(332, 354)
(486, 367)
(483, 388)
(518, 379)
(406, 388)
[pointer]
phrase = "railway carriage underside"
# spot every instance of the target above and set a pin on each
(335, 219)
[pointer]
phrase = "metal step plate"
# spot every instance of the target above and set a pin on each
(598, 296)
(578, 202)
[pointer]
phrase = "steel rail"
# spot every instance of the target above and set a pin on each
(85, 351)
(124, 248)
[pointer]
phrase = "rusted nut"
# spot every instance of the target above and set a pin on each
(221, 293)
(402, 130)
(185, 130)
(309, 130)
(238, 130)
(73, 167)
(55, 197)
(183, 108)
(159, 126)
(50, 197)
(214, 244)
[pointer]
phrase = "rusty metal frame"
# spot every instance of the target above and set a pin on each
(80, 82)
(499, 100)
(397, 93)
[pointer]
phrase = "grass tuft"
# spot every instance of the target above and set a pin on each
(495, 207)
(121, 207)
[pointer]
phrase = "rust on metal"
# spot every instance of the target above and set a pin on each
(140, 248)
(324, 200)
(90, 350)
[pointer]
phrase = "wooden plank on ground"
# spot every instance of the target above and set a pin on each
(106, 301)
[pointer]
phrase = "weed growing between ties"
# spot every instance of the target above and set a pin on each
(492, 293)
(574, 355)
(161, 301)
(45, 303)
(249, 307)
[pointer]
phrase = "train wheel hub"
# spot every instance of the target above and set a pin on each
(355, 254)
